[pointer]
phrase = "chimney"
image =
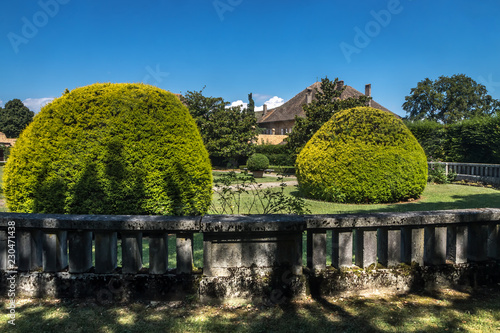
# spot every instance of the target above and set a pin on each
(340, 85)
(368, 93)
(309, 96)
(264, 111)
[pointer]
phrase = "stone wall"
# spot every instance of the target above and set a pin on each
(254, 257)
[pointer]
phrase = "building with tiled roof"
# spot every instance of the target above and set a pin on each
(280, 120)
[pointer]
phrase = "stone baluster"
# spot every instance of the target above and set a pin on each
(131, 252)
(80, 251)
(494, 241)
(28, 250)
(4, 250)
(342, 248)
(366, 247)
(158, 253)
(478, 242)
(105, 252)
(457, 244)
(316, 249)
(413, 245)
(184, 245)
(55, 251)
(389, 246)
(435, 245)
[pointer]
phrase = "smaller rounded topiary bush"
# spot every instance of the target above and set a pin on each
(362, 155)
(257, 162)
(110, 149)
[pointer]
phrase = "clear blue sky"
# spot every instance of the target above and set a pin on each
(233, 47)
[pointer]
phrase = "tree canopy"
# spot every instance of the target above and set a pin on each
(227, 132)
(14, 117)
(319, 111)
(449, 99)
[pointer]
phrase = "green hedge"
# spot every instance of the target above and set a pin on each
(277, 154)
(431, 136)
(469, 141)
(362, 155)
(110, 149)
(474, 141)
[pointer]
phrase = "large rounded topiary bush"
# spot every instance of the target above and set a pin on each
(110, 149)
(362, 155)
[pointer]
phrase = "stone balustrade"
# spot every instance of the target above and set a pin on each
(488, 173)
(241, 254)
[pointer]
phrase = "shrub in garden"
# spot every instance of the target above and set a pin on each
(437, 173)
(362, 155)
(110, 149)
(277, 154)
(257, 162)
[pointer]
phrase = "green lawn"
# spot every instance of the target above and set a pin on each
(435, 197)
(445, 311)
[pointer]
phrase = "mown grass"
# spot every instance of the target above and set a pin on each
(435, 197)
(444, 311)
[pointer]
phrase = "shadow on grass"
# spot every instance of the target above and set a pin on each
(446, 311)
(469, 201)
(460, 202)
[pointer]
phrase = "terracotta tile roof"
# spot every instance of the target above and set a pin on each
(293, 107)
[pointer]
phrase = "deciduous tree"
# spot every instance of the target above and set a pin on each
(14, 117)
(327, 102)
(227, 132)
(449, 99)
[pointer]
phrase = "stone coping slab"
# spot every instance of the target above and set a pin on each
(254, 223)
(102, 222)
(403, 219)
(247, 223)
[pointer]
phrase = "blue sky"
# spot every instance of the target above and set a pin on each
(233, 47)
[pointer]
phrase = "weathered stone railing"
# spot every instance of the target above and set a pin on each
(43, 241)
(244, 255)
(488, 173)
